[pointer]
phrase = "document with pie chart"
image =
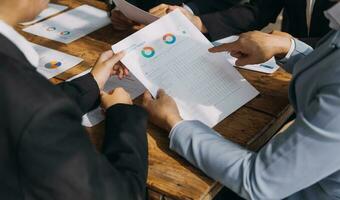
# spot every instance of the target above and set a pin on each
(71, 25)
(52, 62)
(172, 54)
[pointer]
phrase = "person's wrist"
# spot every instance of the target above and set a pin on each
(282, 47)
(100, 82)
(172, 121)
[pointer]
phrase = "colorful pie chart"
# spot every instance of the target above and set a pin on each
(148, 52)
(65, 33)
(51, 28)
(169, 38)
(53, 64)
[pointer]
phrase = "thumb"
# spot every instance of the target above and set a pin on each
(245, 60)
(171, 8)
(225, 47)
(114, 59)
(147, 98)
(103, 93)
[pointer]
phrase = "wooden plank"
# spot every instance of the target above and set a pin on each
(273, 98)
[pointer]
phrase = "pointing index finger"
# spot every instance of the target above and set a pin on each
(234, 46)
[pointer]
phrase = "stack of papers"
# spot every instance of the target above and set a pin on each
(52, 62)
(172, 54)
(268, 67)
(71, 25)
(51, 10)
(130, 84)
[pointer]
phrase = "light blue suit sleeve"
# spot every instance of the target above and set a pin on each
(304, 154)
(301, 50)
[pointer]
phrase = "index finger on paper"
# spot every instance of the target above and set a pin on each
(225, 47)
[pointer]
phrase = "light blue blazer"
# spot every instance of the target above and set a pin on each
(303, 163)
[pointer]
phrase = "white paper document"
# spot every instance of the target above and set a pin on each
(71, 25)
(134, 13)
(130, 84)
(172, 54)
(268, 67)
(52, 62)
(51, 10)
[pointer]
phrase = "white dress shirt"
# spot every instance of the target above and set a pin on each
(22, 44)
(309, 12)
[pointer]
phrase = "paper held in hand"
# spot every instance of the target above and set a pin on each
(172, 54)
(134, 13)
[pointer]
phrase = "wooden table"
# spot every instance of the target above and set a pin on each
(170, 176)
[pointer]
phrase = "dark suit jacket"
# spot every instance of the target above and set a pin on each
(198, 6)
(45, 152)
(259, 13)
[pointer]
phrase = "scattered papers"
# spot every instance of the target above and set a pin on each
(130, 84)
(134, 13)
(268, 67)
(54, 62)
(51, 10)
(172, 54)
(71, 25)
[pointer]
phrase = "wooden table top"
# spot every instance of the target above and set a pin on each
(170, 175)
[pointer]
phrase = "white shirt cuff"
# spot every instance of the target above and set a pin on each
(291, 50)
(174, 128)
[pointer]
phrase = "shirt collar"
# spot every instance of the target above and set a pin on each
(20, 42)
(333, 15)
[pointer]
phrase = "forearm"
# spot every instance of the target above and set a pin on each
(84, 91)
(269, 174)
(125, 143)
(220, 159)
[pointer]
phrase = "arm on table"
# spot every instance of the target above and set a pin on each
(59, 162)
(289, 163)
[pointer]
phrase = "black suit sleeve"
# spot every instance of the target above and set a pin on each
(242, 18)
(200, 7)
(84, 91)
(58, 161)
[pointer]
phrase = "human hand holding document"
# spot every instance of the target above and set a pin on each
(172, 54)
(268, 67)
(134, 13)
(130, 84)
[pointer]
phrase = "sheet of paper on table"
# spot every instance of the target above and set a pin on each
(268, 67)
(51, 10)
(71, 25)
(52, 62)
(130, 84)
(172, 54)
(134, 13)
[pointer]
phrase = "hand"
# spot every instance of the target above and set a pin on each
(256, 47)
(163, 110)
(120, 21)
(107, 65)
(164, 9)
(116, 96)
(160, 10)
